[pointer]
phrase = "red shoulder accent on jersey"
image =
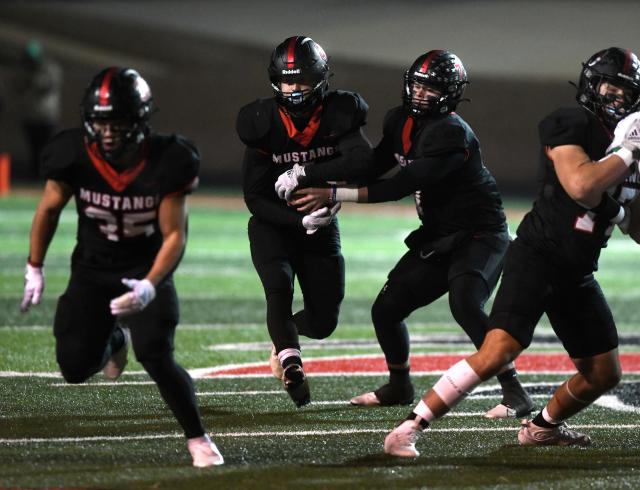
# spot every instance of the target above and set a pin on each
(302, 137)
(406, 135)
(118, 181)
(187, 189)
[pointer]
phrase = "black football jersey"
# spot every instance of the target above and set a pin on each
(118, 211)
(275, 143)
(557, 226)
(437, 159)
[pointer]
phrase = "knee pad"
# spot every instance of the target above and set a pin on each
(315, 326)
(387, 309)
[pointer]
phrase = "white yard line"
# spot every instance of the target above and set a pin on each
(336, 432)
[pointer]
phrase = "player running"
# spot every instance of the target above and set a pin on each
(130, 187)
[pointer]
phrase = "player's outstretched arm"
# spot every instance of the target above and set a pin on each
(45, 221)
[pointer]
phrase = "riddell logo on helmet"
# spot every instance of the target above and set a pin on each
(291, 72)
(101, 108)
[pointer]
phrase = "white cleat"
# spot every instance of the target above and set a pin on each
(501, 411)
(532, 435)
(401, 441)
(274, 364)
(366, 400)
(118, 360)
(204, 452)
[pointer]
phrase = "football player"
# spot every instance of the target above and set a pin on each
(429, 151)
(549, 267)
(130, 187)
(305, 133)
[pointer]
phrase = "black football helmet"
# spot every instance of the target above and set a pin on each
(299, 59)
(618, 67)
(441, 70)
(118, 94)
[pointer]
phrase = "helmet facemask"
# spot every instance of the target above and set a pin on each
(128, 133)
(617, 102)
(300, 101)
(431, 102)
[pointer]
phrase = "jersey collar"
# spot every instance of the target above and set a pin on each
(118, 181)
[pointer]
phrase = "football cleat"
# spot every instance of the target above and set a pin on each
(204, 452)
(295, 383)
(387, 395)
(516, 402)
(532, 435)
(118, 360)
(274, 364)
(366, 400)
(401, 441)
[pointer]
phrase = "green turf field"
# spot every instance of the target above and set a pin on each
(120, 435)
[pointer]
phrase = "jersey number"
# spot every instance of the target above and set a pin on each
(133, 224)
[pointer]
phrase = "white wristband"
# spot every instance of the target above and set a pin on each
(625, 155)
(345, 194)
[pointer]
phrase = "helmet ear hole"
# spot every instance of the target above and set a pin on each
(299, 59)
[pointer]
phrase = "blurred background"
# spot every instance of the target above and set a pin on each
(205, 59)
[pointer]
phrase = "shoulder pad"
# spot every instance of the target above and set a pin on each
(59, 155)
(393, 118)
(179, 163)
(348, 110)
(567, 126)
(254, 121)
(445, 135)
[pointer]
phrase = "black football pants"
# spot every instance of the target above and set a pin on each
(280, 254)
(469, 274)
(84, 324)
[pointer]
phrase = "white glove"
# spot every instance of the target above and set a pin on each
(319, 218)
(33, 287)
(626, 139)
(288, 181)
(141, 294)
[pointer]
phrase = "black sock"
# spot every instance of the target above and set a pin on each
(291, 360)
(541, 422)
(116, 341)
(399, 376)
(508, 375)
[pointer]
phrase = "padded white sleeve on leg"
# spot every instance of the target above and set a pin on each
(456, 383)
(424, 412)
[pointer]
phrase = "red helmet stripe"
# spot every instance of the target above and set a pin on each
(627, 61)
(291, 51)
(427, 61)
(104, 87)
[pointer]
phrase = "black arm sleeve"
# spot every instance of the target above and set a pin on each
(257, 185)
(354, 163)
(419, 174)
(383, 158)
